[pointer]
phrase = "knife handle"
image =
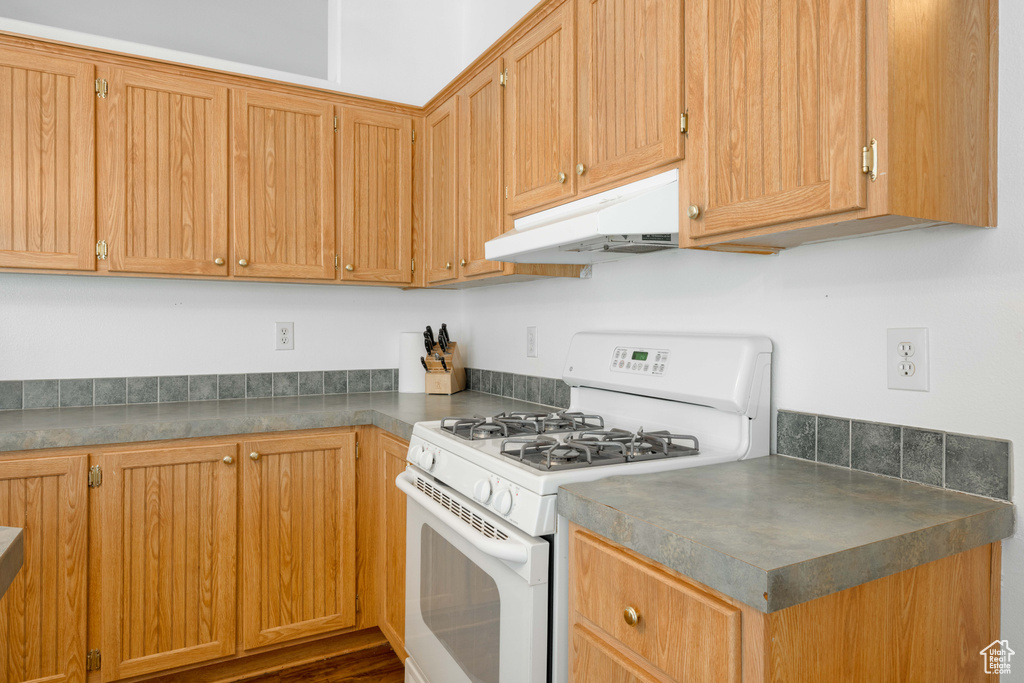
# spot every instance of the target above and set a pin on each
(443, 365)
(424, 362)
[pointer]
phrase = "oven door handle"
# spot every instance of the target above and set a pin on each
(509, 551)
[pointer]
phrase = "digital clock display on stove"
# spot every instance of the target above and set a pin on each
(639, 355)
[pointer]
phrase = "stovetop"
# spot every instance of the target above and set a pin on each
(515, 424)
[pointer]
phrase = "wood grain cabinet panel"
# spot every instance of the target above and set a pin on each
(298, 538)
(168, 558)
(164, 184)
(777, 99)
(597, 659)
(629, 74)
(47, 195)
(540, 127)
(442, 192)
(482, 154)
(43, 613)
(394, 451)
(283, 216)
(375, 203)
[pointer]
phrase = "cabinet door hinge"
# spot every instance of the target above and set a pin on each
(101, 250)
(92, 660)
(412, 266)
(503, 78)
(357, 604)
(357, 450)
(337, 262)
(506, 192)
(414, 137)
(101, 88)
(869, 162)
(684, 122)
(95, 477)
(335, 124)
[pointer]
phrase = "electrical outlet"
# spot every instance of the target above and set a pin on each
(531, 342)
(285, 334)
(906, 354)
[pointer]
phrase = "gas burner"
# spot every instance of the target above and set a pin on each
(516, 423)
(595, 447)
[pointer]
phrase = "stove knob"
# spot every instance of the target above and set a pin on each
(427, 460)
(482, 491)
(503, 502)
(414, 454)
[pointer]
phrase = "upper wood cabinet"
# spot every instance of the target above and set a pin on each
(163, 184)
(629, 76)
(375, 200)
(442, 193)
(298, 576)
(540, 113)
(283, 216)
(168, 558)
(47, 200)
(778, 108)
(43, 613)
(482, 158)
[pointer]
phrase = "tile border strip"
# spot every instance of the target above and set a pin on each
(957, 462)
(547, 391)
(111, 391)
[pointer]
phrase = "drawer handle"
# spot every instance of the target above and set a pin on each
(631, 616)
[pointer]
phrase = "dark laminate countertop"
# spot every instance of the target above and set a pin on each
(391, 411)
(774, 532)
(12, 555)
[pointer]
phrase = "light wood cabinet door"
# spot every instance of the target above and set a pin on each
(540, 122)
(394, 451)
(42, 615)
(776, 92)
(598, 659)
(375, 205)
(282, 170)
(629, 76)
(481, 192)
(47, 196)
(168, 558)
(298, 538)
(163, 186)
(442, 187)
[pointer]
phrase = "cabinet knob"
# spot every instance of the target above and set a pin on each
(219, 261)
(228, 460)
(581, 169)
(631, 616)
(243, 262)
(448, 266)
(462, 263)
(254, 456)
(349, 267)
(693, 211)
(561, 177)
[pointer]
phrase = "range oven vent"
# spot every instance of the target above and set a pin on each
(482, 526)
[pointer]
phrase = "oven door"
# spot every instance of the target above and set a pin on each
(476, 590)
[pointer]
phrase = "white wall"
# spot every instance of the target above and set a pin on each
(484, 21)
(827, 307)
(287, 36)
(65, 326)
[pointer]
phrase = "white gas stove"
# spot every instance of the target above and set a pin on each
(640, 403)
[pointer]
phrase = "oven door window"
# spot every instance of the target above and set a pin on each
(460, 604)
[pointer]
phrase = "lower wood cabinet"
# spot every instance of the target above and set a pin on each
(43, 613)
(392, 619)
(168, 558)
(632, 619)
(298, 538)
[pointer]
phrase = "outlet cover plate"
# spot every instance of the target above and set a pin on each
(898, 378)
(285, 336)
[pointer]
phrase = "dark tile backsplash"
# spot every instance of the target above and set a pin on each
(970, 464)
(544, 390)
(111, 391)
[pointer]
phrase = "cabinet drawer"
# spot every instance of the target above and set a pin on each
(684, 631)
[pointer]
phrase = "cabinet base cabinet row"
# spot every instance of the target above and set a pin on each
(152, 558)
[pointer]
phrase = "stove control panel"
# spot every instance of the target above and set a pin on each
(637, 361)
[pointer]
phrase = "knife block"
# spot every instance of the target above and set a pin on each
(436, 380)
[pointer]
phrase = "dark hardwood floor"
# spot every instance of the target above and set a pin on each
(377, 665)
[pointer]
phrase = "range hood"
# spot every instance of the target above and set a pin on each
(632, 219)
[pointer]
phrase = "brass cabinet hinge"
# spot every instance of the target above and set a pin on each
(101, 88)
(414, 137)
(101, 250)
(92, 660)
(503, 78)
(357, 603)
(869, 162)
(506, 192)
(95, 477)
(337, 262)
(684, 122)
(357, 450)
(412, 266)
(335, 124)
